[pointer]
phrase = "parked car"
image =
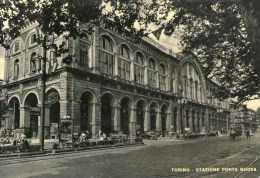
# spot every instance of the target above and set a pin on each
(251, 133)
(202, 133)
(212, 133)
(150, 135)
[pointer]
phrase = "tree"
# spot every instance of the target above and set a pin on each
(55, 18)
(215, 31)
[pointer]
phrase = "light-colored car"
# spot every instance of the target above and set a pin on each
(251, 133)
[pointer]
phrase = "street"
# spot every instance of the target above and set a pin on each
(203, 157)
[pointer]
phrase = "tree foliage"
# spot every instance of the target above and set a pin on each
(214, 31)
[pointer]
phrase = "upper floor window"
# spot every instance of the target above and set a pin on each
(162, 77)
(139, 68)
(106, 44)
(83, 54)
(152, 64)
(33, 61)
(191, 88)
(106, 55)
(16, 47)
(152, 76)
(124, 62)
(33, 39)
(196, 90)
(185, 86)
(16, 68)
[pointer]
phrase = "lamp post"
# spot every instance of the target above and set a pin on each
(43, 87)
(250, 123)
(181, 102)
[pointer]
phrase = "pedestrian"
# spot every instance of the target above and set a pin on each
(233, 134)
(248, 134)
(82, 137)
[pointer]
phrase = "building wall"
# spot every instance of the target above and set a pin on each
(111, 74)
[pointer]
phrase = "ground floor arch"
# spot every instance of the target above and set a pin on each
(31, 101)
(125, 111)
(153, 115)
(164, 120)
(53, 118)
(14, 113)
(140, 115)
(107, 104)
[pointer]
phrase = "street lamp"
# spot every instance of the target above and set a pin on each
(250, 123)
(43, 87)
(181, 102)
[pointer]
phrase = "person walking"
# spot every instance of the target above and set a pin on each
(248, 134)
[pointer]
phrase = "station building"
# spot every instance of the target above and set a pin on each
(112, 85)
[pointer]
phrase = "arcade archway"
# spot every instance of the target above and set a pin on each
(125, 115)
(164, 119)
(32, 101)
(53, 100)
(107, 102)
(86, 111)
(140, 111)
(153, 115)
(14, 113)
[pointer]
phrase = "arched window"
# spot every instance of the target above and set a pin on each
(152, 78)
(17, 47)
(106, 55)
(162, 77)
(196, 91)
(33, 61)
(124, 62)
(83, 50)
(185, 87)
(174, 81)
(191, 88)
(16, 68)
(83, 54)
(33, 39)
(139, 68)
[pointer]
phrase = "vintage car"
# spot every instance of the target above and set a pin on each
(152, 135)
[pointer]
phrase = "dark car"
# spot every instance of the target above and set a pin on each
(150, 135)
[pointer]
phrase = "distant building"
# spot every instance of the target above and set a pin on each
(112, 85)
(244, 116)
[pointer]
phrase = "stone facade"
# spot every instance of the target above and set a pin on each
(112, 85)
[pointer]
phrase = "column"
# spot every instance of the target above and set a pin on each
(76, 115)
(195, 121)
(169, 122)
(7, 65)
(159, 121)
(96, 119)
(95, 56)
(147, 120)
(132, 124)
(116, 64)
(116, 117)
(145, 74)
(132, 76)
(190, 121)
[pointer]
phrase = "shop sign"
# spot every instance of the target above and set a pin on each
(36, 111)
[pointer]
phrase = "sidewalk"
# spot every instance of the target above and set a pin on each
(48, 148)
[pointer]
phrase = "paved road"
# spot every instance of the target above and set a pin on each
(158, 158)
